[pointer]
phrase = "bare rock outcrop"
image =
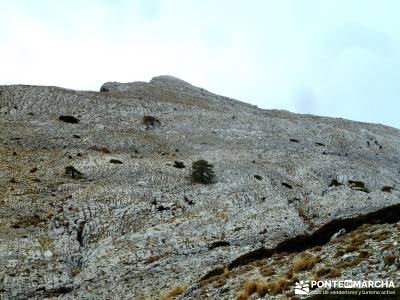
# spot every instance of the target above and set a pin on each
(141, 228)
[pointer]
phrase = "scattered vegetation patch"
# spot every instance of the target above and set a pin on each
(275, 287)
(202, 172)
(381, 235)
(218, 244)
(287, 185)
(258, 177)
(250, 287)
(151, 122)
(179, 164)
(116, 161)
(351, 248)
(390, 259)
(334, 182)
(152, 259)
(358, 186)
(266, 271)
(348, 264)
(162, 208)
(364, 254)
(387, 189)
(26, 221)
(303, 215)
(69, 119)
(272, 287)
(72, 172)
(339, 253)
(388, 246)
(45, 243)
(304, 263)
(334, 273)
(357, 239)
(323, 271)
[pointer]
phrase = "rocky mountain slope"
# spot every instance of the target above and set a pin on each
(92, 204)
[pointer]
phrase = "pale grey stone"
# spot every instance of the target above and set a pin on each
(128, 231)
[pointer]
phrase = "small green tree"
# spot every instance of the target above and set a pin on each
(202, 172)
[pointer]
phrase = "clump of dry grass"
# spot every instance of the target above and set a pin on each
(323, 271)
(316, 248)
(381, 235)
(304, 263)
(220, 282)
(357, 239)
(277, 286)
(362, 228)
(152, 259)
(327, 272)
(339, 253)
(334, 273)
(338, 240)
(176, 291)
(364, 254)
(266, 271)
(348, 264)
(249, 288)
(226, 270)
(351, 248)
(272, 287)
(258, 263)
(388, 246)
(45, 243)
(31, 220)
(390, 259)
(290, 274)
(242, 296)
(262, 289)
(303, 214)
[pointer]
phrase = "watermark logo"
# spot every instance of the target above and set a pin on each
(302, 288)
(356, 287)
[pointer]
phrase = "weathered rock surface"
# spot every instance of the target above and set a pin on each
(370, 253)
(138, 229)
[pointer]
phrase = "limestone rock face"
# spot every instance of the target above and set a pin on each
(140, 228)
(164, 81)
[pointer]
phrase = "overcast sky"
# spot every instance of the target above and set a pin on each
(328, 57)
